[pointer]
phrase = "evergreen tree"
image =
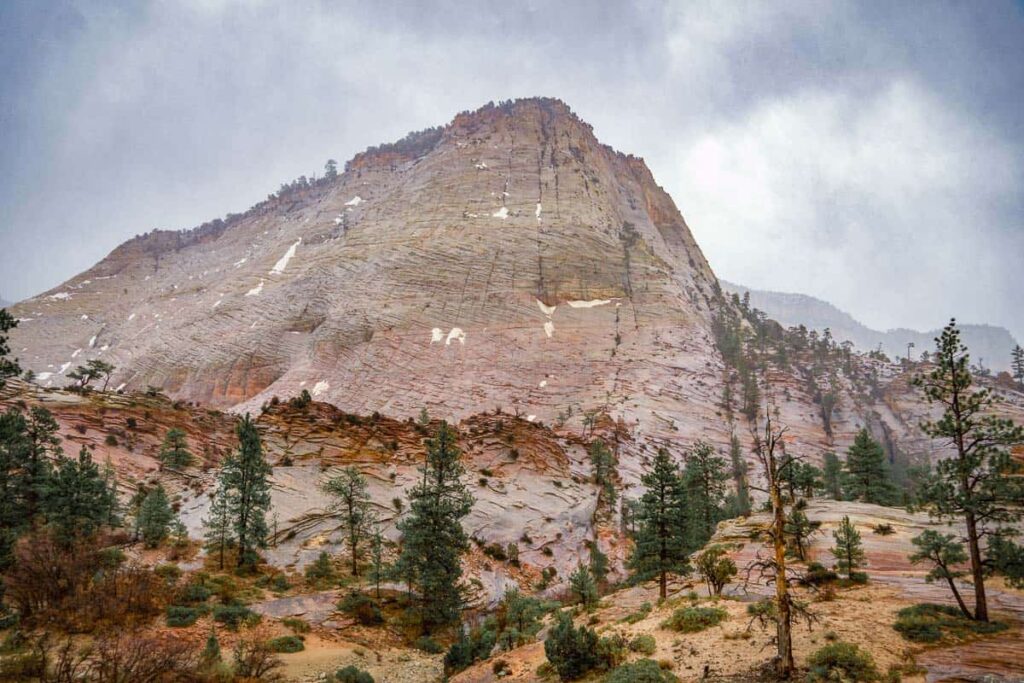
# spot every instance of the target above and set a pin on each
(806, 479)
(155, 516)
(799, 530)
(379, 569)
(603, 463)
(831, 477)
(716, 568)
(867, 477)
(661, 538)
(78, 500)
(43, 444)
(219, 528)
(174, 451)
(352, 505)
(848, 550)
(583, 587)
(738, 503)
(8, 367)
(433, 539)
(704, 477)
(246, 478)
(1017, 365)
(979, 483)
(14, 448)
(211, 656)
(598, 564)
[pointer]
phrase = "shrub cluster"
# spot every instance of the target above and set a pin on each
(928, 623)
(693, 619)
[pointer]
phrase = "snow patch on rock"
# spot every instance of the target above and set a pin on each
(545, 309)
(320, 387)
(355, 201)
(255, 291)
(92, 342)
(436, 335)
(239, 262)
(538, 211)
(282, 262)
(589, 304)
(501, 213)
(549, 328)
(75, 354)
(43, 376)
(455, 333)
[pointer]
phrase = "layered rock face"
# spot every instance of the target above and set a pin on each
(508, 259)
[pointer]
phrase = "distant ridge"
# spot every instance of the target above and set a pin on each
(988, 344)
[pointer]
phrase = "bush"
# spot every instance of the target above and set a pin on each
(428, 645)
(572, 651)
(883, 529)
(466, 650)
(841, 662)
(168, 572)
(818, 575)
(321, 571)
(352, 674)
(194, 593)
(928, 623)
(501, 668)
(362, 609)
(233, 616)
(111, 440)
(693, 619)
(296, 625)
(639, 615)
(644, 643)
(611, 651)
(181, 615)
(640, 671)
(286, 644)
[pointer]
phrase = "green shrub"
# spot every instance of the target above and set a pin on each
(817, 574)
(644, 643)
(233, 616)
(194, 593)
(883, 529)
(168, 572)
(352, 674)
(693, 619)
(321, 571)
(286, 644)
(928, 623)
(468, 649)
(611, 651)
(639, 615)
(841, 662)
(296, 625)
(571, 650)
(640, 671)
(181, 615)
(361, 608)
(428, 645)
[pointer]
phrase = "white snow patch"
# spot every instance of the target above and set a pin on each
(545, 309)
(549, 328)
(92, 342)
(217, 303)
(239, 262)
(436, 335)
(355, 201)
(131, 317)
(501, 213)
(64, 367)
(43, 376)
(104, 347)
(531, 418)
(481, 166)
(538, 211)
(75, 354)
(60, 296)
(253, 325)
(85, 317)
(146, 278)
(320, 387)
(339, 220)
(255, 291)
(589, 304)
(543, 383)
(455, 333)
(120, 386)
(282, 262)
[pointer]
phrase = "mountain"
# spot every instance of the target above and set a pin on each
(988, 344)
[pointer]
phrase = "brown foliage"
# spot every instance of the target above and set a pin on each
(255, 661)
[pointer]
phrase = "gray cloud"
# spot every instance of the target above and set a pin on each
(867, 153)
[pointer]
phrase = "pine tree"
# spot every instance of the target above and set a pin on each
(218, 527)
(704, 477)
(379, 569)
(211, 651)
(583, 587)
(352, 505)
(433, 539)
(8, 367)
(78, 500)
(1017, 365)
(14, 447)
(799, 530)
(155, 516)
(174, 452)
(603, 464)
(943, 553)
(848, 550)
(716, 568)
(598, 564)
(661, 537)
(977, 484)
(245, 477)
(831, 477)
(739, 503)
(867, 477)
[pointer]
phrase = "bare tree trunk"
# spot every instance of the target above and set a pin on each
(785, 665)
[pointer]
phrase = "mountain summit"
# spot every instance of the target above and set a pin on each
(507, 259)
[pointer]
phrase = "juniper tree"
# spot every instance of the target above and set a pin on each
(219, 529)
(13, 514)
(99, 369)
(716, 568)
(581, 583)
(77, 500)
(155, 516)
(866, 477)
(704, 477)
(943, 553)
(8, 366)
(598, 564)
(798, 530)
(831, 476)
(352, 505)
(603, 464)
(43, 443)
(848, 551)
(174, 451)
(246, 477)
(661, 520)
(978, 483)
(739, 501)
(433, 539)
(379, 569)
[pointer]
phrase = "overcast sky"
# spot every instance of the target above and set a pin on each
(866, 153)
